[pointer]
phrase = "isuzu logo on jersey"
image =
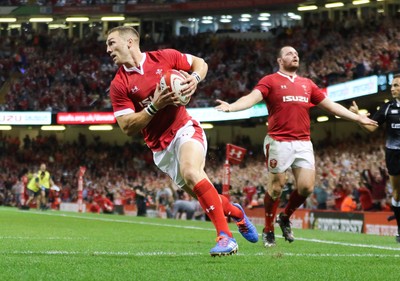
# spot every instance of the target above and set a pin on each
(146, 101)
(295, 98)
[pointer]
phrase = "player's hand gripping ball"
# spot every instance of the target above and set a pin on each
(173, 79)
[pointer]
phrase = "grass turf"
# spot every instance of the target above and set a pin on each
(55, 245)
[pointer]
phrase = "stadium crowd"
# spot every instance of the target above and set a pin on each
(348, 171)
(55, 73)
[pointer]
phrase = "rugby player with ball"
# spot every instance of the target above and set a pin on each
(178, 142)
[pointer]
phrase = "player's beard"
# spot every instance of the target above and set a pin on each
(290, 68)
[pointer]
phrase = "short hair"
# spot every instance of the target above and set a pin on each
(125, 30)
(396, 76)
(280, 50)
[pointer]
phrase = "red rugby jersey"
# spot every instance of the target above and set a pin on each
(288, 100)
(132, 90)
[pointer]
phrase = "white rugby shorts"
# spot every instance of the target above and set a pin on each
(167, 160)
(282, 155)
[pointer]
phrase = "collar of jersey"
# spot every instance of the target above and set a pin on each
(135, 69)
(291, 78)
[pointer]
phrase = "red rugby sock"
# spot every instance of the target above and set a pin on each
(211, 203)
(295, 201)
(229, 209)
(270, 207)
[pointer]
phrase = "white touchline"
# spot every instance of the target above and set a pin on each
(211, 229)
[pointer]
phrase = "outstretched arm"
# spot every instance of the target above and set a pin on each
(354, 108)
(244, 102)
(344, 113)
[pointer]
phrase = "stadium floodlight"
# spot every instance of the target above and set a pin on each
(53, 128)
(40, 19)
(334, 5)
(5, 127)
(265, 14)
(322, 118)
(206, 125)
(226, 18)
(100, 128)
(307, 8)
(8, 19)
(14, 25)
(360, 2)
(57, 25)
(131, 24)
(77, 19)
(114, 18)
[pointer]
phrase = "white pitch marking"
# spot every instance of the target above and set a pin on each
(161, 253)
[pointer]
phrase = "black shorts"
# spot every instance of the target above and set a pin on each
(32, 193)
(46, 191)
(393, 161)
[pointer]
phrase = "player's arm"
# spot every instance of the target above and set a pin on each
(132, 123)
(354, 108)
(341, 111)
(199, 69)
(244, 102)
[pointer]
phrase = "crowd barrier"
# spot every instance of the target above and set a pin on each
(356, 222)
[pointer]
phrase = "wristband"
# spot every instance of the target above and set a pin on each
(197, 76)
(151, 109)
(148, 112)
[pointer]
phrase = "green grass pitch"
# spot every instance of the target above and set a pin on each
(55, 245)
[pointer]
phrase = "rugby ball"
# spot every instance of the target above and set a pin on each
(173, 79)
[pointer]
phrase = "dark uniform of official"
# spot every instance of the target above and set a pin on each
(389, 113)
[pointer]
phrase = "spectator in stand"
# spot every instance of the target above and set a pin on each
(93, 207)
(348, 204)
(339, 194)
(164, 200)
(377, 181)
(249, 190)
(105, 204)
(140, 198)
(365, 198)
(187, 207)
(288, 144)
(177, 140)
(389, 113)
(320, 195)
(21, 188)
